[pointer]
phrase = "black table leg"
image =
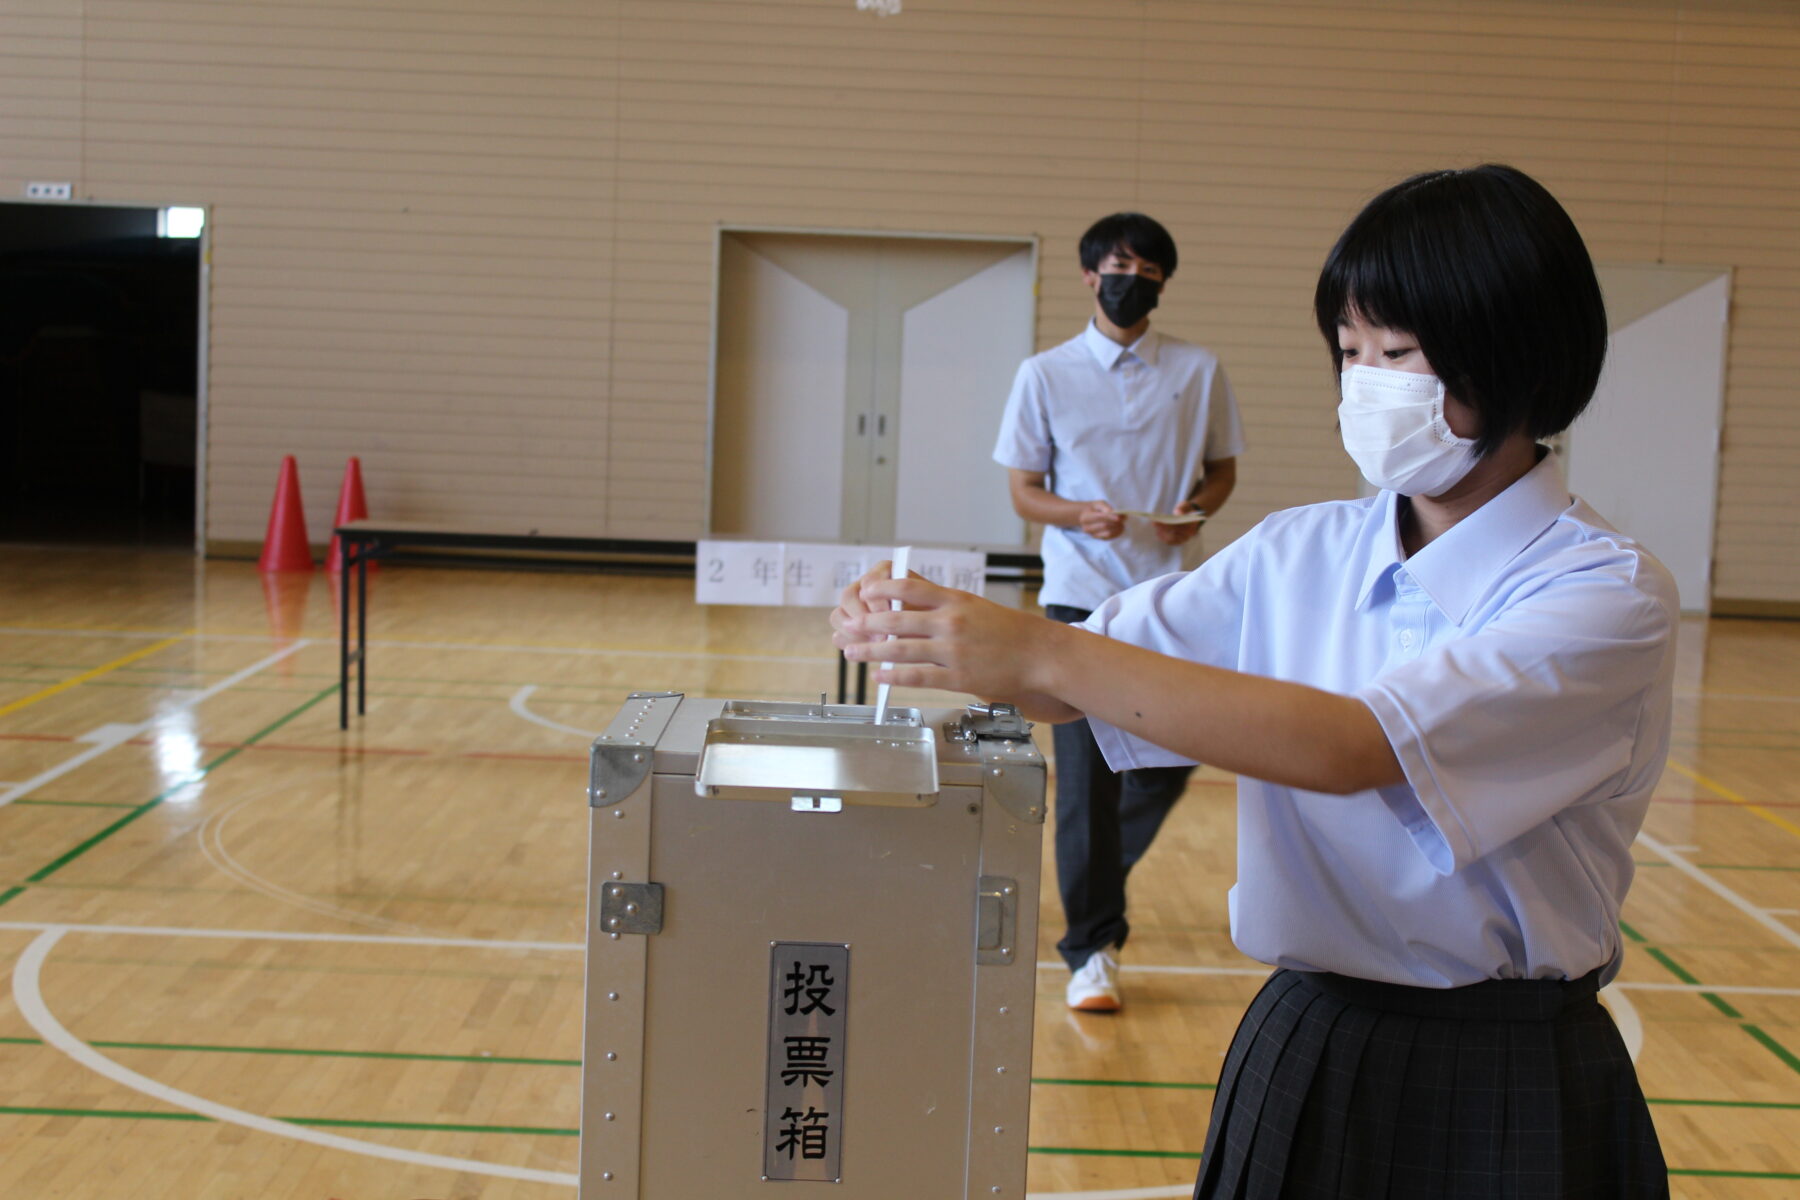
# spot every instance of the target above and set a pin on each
(362, 630)
(843, 678)
(343, 586)
(862, 683)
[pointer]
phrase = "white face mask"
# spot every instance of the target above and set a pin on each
(1393, 426)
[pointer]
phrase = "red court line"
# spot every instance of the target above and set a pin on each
(524, 757)
(37, 737)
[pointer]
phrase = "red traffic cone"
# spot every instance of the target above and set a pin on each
(284, 546)
(351, 507)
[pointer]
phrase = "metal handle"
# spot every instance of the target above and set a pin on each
(881, 425)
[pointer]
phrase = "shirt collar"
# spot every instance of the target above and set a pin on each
(1108, 352)
(1457, 567)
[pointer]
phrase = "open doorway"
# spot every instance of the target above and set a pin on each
(100, 319)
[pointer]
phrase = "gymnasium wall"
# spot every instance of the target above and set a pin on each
(472, 241)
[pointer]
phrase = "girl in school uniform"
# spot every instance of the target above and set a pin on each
(1447, 705)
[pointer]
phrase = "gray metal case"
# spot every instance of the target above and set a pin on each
(895, 864)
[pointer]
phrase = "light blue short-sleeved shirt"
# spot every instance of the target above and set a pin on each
(1521, 665)
(1131, 425)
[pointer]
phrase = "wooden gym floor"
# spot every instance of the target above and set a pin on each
(216, 909)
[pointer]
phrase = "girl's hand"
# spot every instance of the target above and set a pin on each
(944, 639)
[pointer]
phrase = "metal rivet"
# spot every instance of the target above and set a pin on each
(612, 923)
(613, 891)
(613, 936)
(611, 1056)
(609, 1116)
(606, 1175)
(997, 771)
(999, 1070)
(618, 812)
(999, 1129)
(631, 908)
(1004, 1010)
(1005, 891)
(617, 875)
(612, 995)
(599, 793)
(637, 757)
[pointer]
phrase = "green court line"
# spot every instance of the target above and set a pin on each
(79, 803)
(1774, 1047)
(1676, 1103)
(23, 1110)
(26, 1110)
(1125, 1083)
(1093, 1153)
(557, 1131)
(81, 849)
(1762, 1037)
(1631, 933)
(198, 1048)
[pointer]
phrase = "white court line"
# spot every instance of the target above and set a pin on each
(212, 844)
(1625, 1016)
(1759, 915)
(28, 996)
(518, 706)
(108, 736)
(377, 939)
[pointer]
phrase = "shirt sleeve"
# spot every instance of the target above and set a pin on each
(1500, 731)
(1224, 428)
(1024, 442)
(1195, 615)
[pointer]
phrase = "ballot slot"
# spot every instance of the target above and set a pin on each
(818, 758)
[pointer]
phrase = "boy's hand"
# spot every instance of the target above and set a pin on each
(1176, 535)
(1101, 520)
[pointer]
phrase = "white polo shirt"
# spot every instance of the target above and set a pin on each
(1131, 425)
(1521, 665)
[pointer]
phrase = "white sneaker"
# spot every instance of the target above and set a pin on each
(1095, 987)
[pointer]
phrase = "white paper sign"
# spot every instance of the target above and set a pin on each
(740, 573)
(812, 574)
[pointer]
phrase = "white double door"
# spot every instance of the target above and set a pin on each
(859, 383)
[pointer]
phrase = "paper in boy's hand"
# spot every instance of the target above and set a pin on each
(1193, 518)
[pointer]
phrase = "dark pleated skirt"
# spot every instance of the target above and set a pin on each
(1344, 1089)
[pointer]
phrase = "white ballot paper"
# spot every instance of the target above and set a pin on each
(1192, 518)
(881, 689)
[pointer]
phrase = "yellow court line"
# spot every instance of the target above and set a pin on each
(1732, 796)
(82, 678)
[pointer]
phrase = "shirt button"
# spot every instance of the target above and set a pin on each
(1406, 638)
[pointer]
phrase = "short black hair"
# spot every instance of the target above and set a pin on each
(1132, 231)
(1488, 271)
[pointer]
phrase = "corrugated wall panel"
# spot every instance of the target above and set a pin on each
(474, 243)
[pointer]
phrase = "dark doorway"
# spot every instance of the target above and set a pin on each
(99, 349)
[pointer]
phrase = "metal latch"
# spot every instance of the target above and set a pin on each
(996, 920)
(631, 908)
(989, 721)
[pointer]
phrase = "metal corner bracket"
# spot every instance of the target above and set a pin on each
(622, 757)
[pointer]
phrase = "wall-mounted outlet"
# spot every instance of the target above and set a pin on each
(48, 191)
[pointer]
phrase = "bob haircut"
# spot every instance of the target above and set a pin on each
(1135, 232)
(1488, 272)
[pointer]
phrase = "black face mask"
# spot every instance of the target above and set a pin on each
(1128, 299)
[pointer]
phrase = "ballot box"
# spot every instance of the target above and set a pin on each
(810, 951)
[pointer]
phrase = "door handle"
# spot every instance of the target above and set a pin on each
(881, 425)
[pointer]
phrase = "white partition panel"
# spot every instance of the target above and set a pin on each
(959, 352)
(778, 461)
(1646, 453)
